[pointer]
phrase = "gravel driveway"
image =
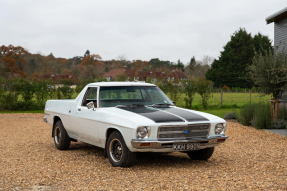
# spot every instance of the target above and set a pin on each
(250, 159)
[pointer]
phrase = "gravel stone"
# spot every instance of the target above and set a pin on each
(250, 159)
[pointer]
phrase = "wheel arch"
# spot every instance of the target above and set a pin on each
(109, 131)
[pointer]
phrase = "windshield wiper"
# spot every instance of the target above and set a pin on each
(130, 106)
(162, 105)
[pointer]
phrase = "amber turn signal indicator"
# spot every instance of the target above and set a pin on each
(220, 140)
(145, 144)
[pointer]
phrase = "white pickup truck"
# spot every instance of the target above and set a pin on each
(129, 117)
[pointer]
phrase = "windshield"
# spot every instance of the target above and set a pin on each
(128, 95)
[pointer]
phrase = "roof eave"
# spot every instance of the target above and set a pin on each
(277, 16)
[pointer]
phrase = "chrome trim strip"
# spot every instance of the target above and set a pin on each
(168, 144)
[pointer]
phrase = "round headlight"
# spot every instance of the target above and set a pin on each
(219, 128)
(142, 132)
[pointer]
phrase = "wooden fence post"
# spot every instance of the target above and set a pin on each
(271, 107)
(276, 108)
(221, 100)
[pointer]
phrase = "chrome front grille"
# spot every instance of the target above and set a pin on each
(183, 131)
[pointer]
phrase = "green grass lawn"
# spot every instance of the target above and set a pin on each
(229, 100)
(220, 112)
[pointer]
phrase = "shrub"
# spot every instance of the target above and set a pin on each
(230, 116)
(282, 113)
(25, 87)
(189, 90)
(65, 91)
(279, 124)
(246, 114)
(42, 92)
(203, 86)
(24, 105)
(83, 83)
(262, 116)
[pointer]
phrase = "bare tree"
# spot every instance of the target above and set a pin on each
(207, 60)
(199, 68)
(122, 59)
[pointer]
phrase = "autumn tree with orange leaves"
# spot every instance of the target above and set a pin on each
(139, 64)
(12, 60)
(91, 67)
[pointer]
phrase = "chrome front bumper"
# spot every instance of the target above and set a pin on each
(145, 144)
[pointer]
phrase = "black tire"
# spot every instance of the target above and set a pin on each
(61, 138)
(203, 154)
(118, 152)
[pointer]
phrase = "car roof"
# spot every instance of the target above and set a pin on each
(120, 84)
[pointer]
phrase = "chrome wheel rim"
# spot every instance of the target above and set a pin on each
(116, 150)
(57, 135)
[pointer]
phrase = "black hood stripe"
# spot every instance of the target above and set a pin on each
(188, 116)
(156, 115)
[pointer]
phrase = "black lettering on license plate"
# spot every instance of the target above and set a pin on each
(185, 146)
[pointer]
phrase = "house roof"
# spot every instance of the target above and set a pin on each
(113, 73)
(277, 16)
(56, 78)
(177, 74)
(142, 75)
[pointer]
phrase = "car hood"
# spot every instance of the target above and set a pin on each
(128, 116)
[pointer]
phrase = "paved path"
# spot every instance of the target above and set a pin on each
(278, 131)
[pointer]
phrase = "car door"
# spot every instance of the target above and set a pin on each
(87, 124)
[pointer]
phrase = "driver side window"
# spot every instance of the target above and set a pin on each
(91, 95)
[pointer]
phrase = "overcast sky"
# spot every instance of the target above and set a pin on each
(165, 29)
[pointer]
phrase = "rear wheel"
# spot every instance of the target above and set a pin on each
(117, 151)
(203, 154)
(61, 138)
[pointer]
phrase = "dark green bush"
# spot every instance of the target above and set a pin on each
(282, 113)
(246, 114)
(279, 124)
(24, 105)
(259, 115)
(230, 116)
(189, 88)
(262, 116)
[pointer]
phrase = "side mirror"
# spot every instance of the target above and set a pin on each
(173, 102)
(91, 105)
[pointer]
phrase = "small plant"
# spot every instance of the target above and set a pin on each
(279, 124)
(230, 116)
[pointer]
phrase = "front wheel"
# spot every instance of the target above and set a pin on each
(117, 151)
(203, 154)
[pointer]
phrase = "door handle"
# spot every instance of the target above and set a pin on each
(79, 109)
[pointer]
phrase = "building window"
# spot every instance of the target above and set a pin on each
(108, 78)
